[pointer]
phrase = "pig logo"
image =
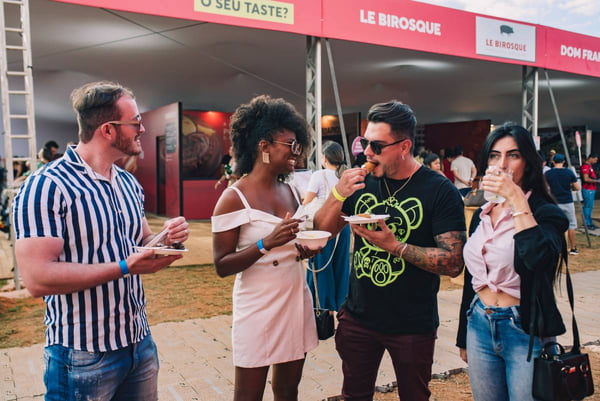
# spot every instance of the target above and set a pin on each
(506, 29)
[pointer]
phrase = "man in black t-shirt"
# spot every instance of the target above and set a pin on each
(392, 300)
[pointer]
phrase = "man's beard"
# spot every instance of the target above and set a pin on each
(128, 147)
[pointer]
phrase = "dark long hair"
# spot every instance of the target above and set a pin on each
(334, 153)
(533, 176)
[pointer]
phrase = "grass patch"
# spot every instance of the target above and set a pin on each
(191, 292)
(173, 294)
(21, 322)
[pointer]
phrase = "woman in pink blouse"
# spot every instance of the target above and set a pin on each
(512, 245)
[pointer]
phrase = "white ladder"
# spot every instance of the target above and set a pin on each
(16, 89)
(16, 84)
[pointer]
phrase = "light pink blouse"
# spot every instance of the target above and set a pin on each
(489, 254)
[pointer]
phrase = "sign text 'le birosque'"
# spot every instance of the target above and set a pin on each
(400, 22)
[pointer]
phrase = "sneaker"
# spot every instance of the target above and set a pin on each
(574, 252)
(592, 227)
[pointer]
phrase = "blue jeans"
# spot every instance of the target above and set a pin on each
(465, 191)
(128, 374)
(497, 353)
(588, 205)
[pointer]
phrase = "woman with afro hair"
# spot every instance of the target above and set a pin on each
(254, 226)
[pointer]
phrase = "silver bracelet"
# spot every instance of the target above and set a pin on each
(403, 249)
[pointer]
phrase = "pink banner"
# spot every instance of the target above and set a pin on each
(566, 51)
(403, 24)
(296, 16)
(429, 28)
(435, 29)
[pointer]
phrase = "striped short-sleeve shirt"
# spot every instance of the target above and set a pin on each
(100, 221)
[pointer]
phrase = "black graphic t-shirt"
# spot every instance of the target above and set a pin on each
(388, 294)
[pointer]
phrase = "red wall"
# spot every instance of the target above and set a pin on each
(200, 198)
(158, 122)
(205, 136)
(468, 134)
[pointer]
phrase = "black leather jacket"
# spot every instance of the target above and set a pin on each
(537, 254)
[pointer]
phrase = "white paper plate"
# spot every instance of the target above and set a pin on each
(160, 250)
(365, 220)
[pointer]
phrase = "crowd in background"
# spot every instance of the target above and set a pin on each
(22, 170)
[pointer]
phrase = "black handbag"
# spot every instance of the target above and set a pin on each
(323, 317)
(324, 321)
(475, 196)
(560, 375)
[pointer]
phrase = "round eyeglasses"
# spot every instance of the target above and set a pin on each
(295, 147)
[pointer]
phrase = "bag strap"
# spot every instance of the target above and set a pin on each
(576, 344)
(337, 237)
(317, 270)
(534, 310)
(318, 303)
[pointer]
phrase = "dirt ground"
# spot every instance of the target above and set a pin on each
(457, 387)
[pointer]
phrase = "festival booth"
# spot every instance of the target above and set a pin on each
(183, 149)
(183, 153)
(181, 160)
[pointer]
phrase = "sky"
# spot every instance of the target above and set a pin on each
(580, 16)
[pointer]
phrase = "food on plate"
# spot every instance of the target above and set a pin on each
(365, 218)
(369, 166)
(313, 239)
(174, 245)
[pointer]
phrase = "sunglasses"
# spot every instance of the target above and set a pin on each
(377, 147)
(295, 147)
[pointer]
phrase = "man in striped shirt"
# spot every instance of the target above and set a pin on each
(77, 221)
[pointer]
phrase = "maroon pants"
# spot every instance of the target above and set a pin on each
(361, 351)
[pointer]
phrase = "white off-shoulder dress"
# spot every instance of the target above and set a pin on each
(273, 320)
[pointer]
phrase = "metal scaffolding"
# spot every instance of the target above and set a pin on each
(16, 89)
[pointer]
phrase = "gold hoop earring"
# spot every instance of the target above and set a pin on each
(265, 158)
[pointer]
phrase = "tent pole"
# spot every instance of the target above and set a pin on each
(338, 103)
(566, 150)
(314, 99)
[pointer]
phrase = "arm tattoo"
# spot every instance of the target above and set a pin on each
(446, 259)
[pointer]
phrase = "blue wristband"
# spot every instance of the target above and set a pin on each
(124, 268)
(261, 247)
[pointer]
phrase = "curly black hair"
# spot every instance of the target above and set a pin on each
(261, 119)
